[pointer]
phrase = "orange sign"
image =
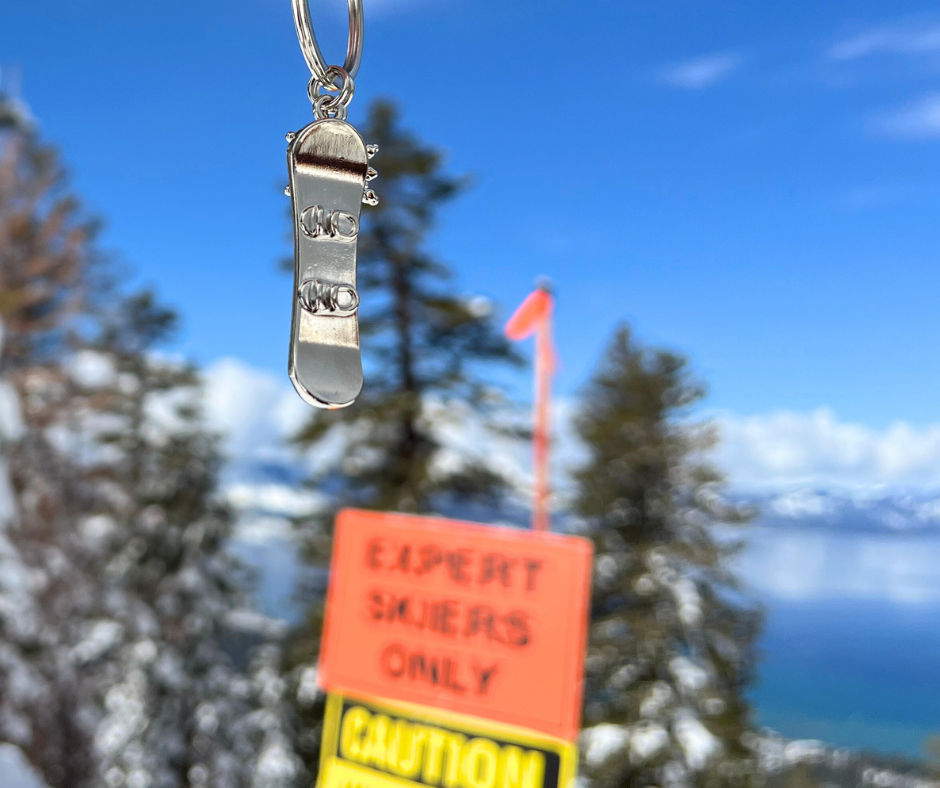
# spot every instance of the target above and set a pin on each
(476, 619)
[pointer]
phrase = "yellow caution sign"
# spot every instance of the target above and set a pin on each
(370, 744)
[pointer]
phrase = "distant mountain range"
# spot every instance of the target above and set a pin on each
(847, 510)
(275, 488)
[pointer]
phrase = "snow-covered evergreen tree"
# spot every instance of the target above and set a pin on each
(122, 614)
(425, 347)
(21, 686)
(179, 711)
(45, 257)
(671, 645)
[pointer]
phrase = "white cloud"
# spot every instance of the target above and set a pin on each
(792, 454)
(788, 449)
(921, 120)
(900, 39)
(701, 72)
(780, 451)
(256, 410)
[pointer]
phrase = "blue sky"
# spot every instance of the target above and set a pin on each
(754, 184)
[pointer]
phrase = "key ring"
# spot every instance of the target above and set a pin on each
(311, 49)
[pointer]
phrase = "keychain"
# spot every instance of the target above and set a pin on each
(329, 172)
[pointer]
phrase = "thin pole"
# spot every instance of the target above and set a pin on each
(540, 436)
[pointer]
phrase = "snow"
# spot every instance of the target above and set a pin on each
(644, 585)
(11, 429)
(697, 742)
(684, 591)
(15, 771)
(657, 698)
(308, 688)
(713, 706)
(262, 530)
(647, 740)
(92, 370)
(11, 418)
(274, 498)
(276, 765)
(689, 675)
(600, 742)
(245, 620)
(689, 602)
(127, 715)
(775, 754)
(98, 527)
(605, 568)
(20, 683)
(882, 778)
(623, 677)
(803, 750)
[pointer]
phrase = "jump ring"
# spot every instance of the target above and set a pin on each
(313, 89)
(311, 49)
(328, 83)
(345, 90)
(328, 106)
(325, 104)
(347, 87)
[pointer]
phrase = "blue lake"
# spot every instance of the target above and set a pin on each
(859, 674)
(851, 647)
(850, 652)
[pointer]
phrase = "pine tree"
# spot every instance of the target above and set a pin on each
(671, 644)
(801, 775)
(423, 344)
(45, 256)
(45, 251)
(21, 686)
(178, 710)
(125, 677)
(424, 347)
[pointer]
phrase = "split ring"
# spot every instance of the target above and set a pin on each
(311, 49)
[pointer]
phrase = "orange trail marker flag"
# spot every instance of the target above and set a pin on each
(534, 316)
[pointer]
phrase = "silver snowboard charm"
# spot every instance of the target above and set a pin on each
(329, 170)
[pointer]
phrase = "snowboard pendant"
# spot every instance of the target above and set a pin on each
(329, 169)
